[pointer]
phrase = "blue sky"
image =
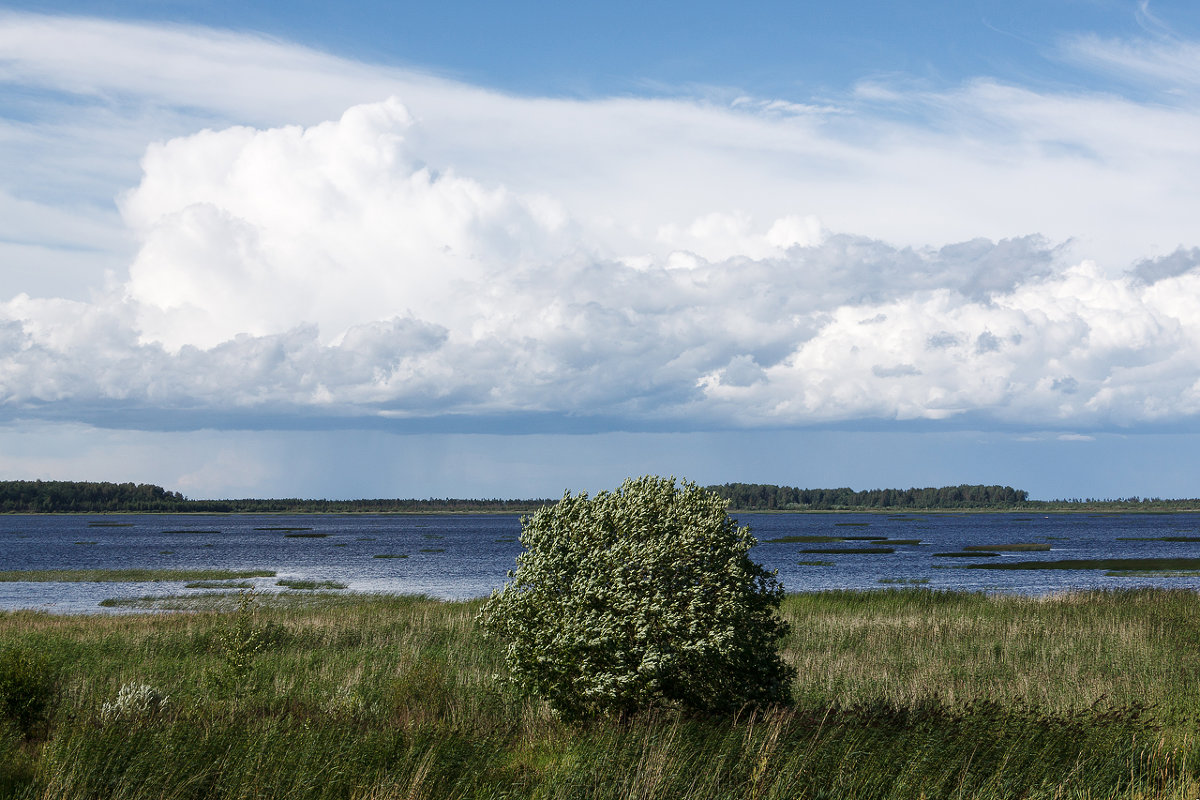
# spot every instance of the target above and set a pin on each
(511, 249)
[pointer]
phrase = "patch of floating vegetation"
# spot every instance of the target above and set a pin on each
(305, 535)
(1153, 573)
(365, 539)
(296, 583)
(902, 541)
(166, 552)
(283, 528)
(193, 530)
(905, 581)
(340, 544)
(850, 550)
(433, 550)
(1018, 547)
(811, 539)
(1113, 564)
(96, 524)
(87, 543)
(391, 555)
(219, 585)
(128, 575)
(433, 536)
(506, 540)
(814, 563)
(973, 554)
(227, 601)
(1158, 538)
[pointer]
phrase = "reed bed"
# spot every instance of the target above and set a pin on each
(902, 693)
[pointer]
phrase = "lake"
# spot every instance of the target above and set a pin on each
(461, 556)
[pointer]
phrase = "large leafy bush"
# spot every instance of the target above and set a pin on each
(641, 597)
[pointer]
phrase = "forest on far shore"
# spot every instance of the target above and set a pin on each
(66, 497)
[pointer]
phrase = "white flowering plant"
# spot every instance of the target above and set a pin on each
(638, 598)
(134, 701)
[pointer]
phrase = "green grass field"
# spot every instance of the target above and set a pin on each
(902, 693)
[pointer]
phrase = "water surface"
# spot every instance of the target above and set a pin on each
(457, 556)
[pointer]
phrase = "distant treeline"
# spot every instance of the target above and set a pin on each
(769, 497)
(64, 497)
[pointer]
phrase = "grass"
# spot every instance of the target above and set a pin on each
(128, 575)
(296, 583)
(968, 554)
(815, 563)
(391, 555)
(193, 530)
(305, 535)
(902, 693)
(219, 585)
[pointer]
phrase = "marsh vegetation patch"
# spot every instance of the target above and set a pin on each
(1113, 564)
(1018, 547)
(861, 551)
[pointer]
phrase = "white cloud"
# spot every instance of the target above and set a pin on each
(1166, 62)
(454, 251)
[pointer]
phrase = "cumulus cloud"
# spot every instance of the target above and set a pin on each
(450, 252)
(331, 271)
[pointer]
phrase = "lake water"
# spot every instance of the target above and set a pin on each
(462, 556)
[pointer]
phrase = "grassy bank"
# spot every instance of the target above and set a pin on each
(902, 694)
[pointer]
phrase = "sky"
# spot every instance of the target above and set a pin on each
(510, 250)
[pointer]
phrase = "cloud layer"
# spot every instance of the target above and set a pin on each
(983, 251)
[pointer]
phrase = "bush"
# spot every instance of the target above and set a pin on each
(641, 597)
(26, 686)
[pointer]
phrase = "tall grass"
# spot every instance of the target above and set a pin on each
(902, 694)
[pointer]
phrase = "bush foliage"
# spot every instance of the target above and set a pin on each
(641, 597)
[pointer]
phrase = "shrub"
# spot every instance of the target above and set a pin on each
(26, 686)
(641, 597)
(239, 644)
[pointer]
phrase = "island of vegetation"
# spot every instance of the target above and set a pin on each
(87, 497)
